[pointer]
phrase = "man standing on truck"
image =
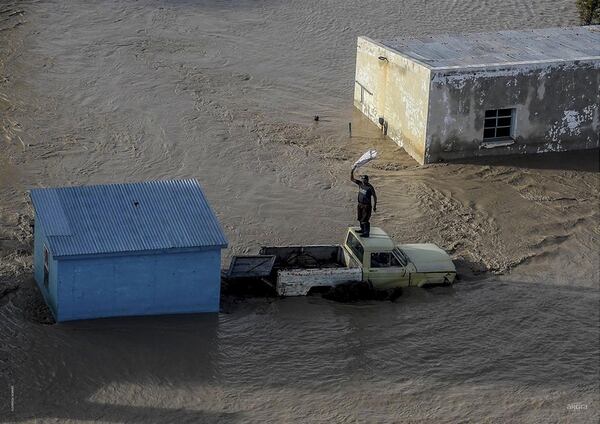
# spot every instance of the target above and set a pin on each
(365, 192)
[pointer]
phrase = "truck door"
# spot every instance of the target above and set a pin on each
(387, 271)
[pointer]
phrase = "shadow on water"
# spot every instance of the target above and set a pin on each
(579, 160)
(474, 333)
(90, 411)
(91, 370)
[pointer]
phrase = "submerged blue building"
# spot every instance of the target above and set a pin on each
(127, 249)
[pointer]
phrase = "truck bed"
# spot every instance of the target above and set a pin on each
(306, 257)
(297, 269)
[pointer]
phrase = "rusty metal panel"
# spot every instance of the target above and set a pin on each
(255, 266)
(298, 282)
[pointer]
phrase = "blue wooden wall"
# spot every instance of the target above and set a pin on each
(148, 284)
(151, 284)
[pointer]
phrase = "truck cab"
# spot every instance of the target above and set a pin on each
(387, 265)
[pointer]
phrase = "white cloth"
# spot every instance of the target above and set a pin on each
(365, 158)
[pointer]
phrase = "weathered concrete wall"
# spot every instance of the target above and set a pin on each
(396, 89)
(557, 108)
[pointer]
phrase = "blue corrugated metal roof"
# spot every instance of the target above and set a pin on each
(153, 215)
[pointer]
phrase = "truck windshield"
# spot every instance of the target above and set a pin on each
(399, 254)
(355, 246)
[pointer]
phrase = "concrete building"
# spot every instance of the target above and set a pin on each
(127, 249)
(455, 96)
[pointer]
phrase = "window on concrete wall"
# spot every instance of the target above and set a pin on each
(46, 267)
(499, 124)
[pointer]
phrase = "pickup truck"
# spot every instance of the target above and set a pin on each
(377, 259)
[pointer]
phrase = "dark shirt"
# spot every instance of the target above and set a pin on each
(365, 192)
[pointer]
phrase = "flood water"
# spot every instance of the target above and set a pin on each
(225, 91)
(483, 350)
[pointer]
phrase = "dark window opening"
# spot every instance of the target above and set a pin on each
(46, 267)
(498, 124)
(383, 260)
(489, 133)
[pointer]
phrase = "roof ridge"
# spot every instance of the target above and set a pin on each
(110, 184)
(127, 217)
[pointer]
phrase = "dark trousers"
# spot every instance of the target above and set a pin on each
(364, 215)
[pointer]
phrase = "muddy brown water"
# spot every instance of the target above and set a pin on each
(224, 91)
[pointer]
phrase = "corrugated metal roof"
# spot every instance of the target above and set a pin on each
(153, 215)
(501, 47)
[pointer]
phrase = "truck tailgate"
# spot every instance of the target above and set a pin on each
(298, 282)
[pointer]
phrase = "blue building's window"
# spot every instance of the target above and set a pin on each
(46, 267)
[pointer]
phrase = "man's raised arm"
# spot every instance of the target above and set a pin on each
(354, 180)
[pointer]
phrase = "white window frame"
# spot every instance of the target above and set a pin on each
(496, 118)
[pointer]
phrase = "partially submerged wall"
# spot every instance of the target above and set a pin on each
(556, 108)
(396, 89)
(139, 284)
(49, 291)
